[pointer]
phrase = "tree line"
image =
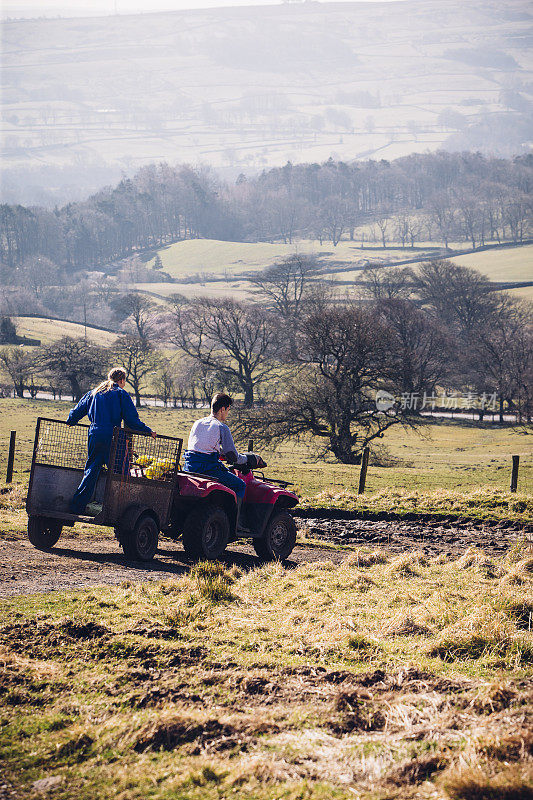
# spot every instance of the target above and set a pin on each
(440, 197)
(308, 362)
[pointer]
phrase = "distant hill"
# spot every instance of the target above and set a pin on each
(219, 269)
(51, 330)
(85, 100)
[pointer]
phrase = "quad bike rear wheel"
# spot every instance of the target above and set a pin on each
(206, 533)
(279, 538)
(43, 532)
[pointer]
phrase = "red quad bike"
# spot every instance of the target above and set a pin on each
(143, 492)
(205, 513)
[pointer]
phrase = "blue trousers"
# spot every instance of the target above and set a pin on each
(209, 464)
(98, 455)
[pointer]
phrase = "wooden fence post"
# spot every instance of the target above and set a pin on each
(11, 457)
(514, 473)
(251, 446)
(364, 467)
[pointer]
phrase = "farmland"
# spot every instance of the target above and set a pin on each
(216, 269)
(454, 456)
(50, 330)
(365, 81)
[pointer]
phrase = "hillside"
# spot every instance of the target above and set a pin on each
(50, 330)
(244, 88)
(214, 268)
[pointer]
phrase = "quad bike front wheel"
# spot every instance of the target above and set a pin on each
(206, 533)
(43, 532)
(279, 538)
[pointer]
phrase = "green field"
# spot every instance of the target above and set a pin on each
(50, 330)
(510, 264)
(195, 262)
(199, 256)
(445, 455)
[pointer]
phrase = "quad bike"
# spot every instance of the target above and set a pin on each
(143, 492)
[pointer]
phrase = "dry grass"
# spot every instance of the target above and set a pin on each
(484, 502)
(396, 677)
(473, 783)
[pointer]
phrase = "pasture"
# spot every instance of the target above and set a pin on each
(377, 677)
(507, 264)
(459, 456)
(51, 330)
(200, 265)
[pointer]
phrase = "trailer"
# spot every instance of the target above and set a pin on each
(143, 492)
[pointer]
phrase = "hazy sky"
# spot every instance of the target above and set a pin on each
(75, 8)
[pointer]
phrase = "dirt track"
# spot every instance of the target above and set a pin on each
(80, 561)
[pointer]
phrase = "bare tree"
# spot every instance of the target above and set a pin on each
(383, 222)
(415, 227)
(401, 228)
(139, 310)
(461, 297)
(20, 366)
(139, 359)
(345, 354)
(442, 213)
(164, 382)
(386, 283)
(499, 356)
(74, 363)
(236, 339)
(335, 215)
(37, 272)
(422, 349)
(286, 287)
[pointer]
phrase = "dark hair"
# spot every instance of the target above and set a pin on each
(220, 400)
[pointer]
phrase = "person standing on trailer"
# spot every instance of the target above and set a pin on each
(106, 406)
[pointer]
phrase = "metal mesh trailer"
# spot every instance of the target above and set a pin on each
(134, 492)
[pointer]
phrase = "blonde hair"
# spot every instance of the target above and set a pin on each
(113, 376)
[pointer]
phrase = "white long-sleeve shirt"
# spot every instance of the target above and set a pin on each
(209, 435)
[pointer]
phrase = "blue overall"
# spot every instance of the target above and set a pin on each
(105, 410)
(209, 464)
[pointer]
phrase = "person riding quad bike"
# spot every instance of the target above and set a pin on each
(209, 440)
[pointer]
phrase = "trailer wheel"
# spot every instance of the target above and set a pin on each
(206, 532)
(278, 539)
(43, 532)
(140, 543)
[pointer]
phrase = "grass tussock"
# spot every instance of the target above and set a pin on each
(213, 581)
(516, 745)
(366, 558)
(474, 558)
(407, 564)
(12, 496)
(473, 783)
(483, 503)
(405, 625)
